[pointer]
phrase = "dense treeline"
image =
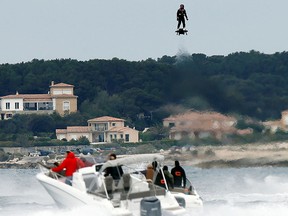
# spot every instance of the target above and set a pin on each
(253, 84)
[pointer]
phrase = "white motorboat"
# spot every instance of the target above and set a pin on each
(131, 195)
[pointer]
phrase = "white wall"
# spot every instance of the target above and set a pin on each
(12, 104)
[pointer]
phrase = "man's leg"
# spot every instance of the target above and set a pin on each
(68, 180)
(179, 23)
(183, 20)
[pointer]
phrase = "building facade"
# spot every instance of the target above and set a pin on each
(281, 124)
(105, 129)
(60, 99)
(200, 125)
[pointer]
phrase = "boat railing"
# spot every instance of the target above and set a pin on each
(90, 180)
(130, 186)
(190, 187)
(46, 170)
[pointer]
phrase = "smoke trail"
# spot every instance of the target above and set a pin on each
(182, 55)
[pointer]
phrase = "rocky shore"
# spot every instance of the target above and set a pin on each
(23, 163)
(249, 155)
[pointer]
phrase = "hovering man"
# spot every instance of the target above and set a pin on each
(181, 15)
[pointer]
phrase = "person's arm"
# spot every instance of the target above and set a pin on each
(60, 167)
(80, 163)
(172, 172)
(121, 170)
(107, 171)
(184, 178)
(172, 180)
(185, 14)
(177, 15)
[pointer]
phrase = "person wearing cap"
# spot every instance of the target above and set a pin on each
(181, 15)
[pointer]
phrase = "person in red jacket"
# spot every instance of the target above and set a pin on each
(71, 164)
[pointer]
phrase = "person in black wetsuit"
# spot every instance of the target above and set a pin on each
(115, 172)
(160, 181)
(181, 15)
(179, 175)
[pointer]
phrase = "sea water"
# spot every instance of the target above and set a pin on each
(261, 191)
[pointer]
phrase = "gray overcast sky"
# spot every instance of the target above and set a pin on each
(138, 29)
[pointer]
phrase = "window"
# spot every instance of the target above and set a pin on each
(127, 137)
(16, 105)
(111, 137)
(121, 136)
(66, 105)
(30, 106)
(101, 127)
(113, 124)
(115, 136)
(7, 105)
(171, 124)
(45, 106)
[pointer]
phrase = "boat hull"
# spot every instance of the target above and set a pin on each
(68, 197)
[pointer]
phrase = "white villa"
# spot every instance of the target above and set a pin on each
(104, 129)
(59, 99)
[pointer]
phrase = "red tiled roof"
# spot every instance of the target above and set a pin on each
(60, 85)
(198, 115)
(73, 129)
(61, 131)
(119, 129)
(106, 119)
(28, 96)
(77, 129)
(202, 121)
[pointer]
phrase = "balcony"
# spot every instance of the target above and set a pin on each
(37, 106)
(100, 127)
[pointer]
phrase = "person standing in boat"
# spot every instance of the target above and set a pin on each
(179, 175)
(160, 180)
(71, 164)
(116, 172)
(149, 173)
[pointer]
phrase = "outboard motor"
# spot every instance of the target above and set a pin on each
(150, 206)
(181, 201)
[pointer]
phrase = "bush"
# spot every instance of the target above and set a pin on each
(3, 155)
(209, 152)
(194, 153)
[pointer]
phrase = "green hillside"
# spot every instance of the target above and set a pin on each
(252, 84)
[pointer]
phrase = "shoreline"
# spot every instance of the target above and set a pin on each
(248, 155)
(205, 157)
